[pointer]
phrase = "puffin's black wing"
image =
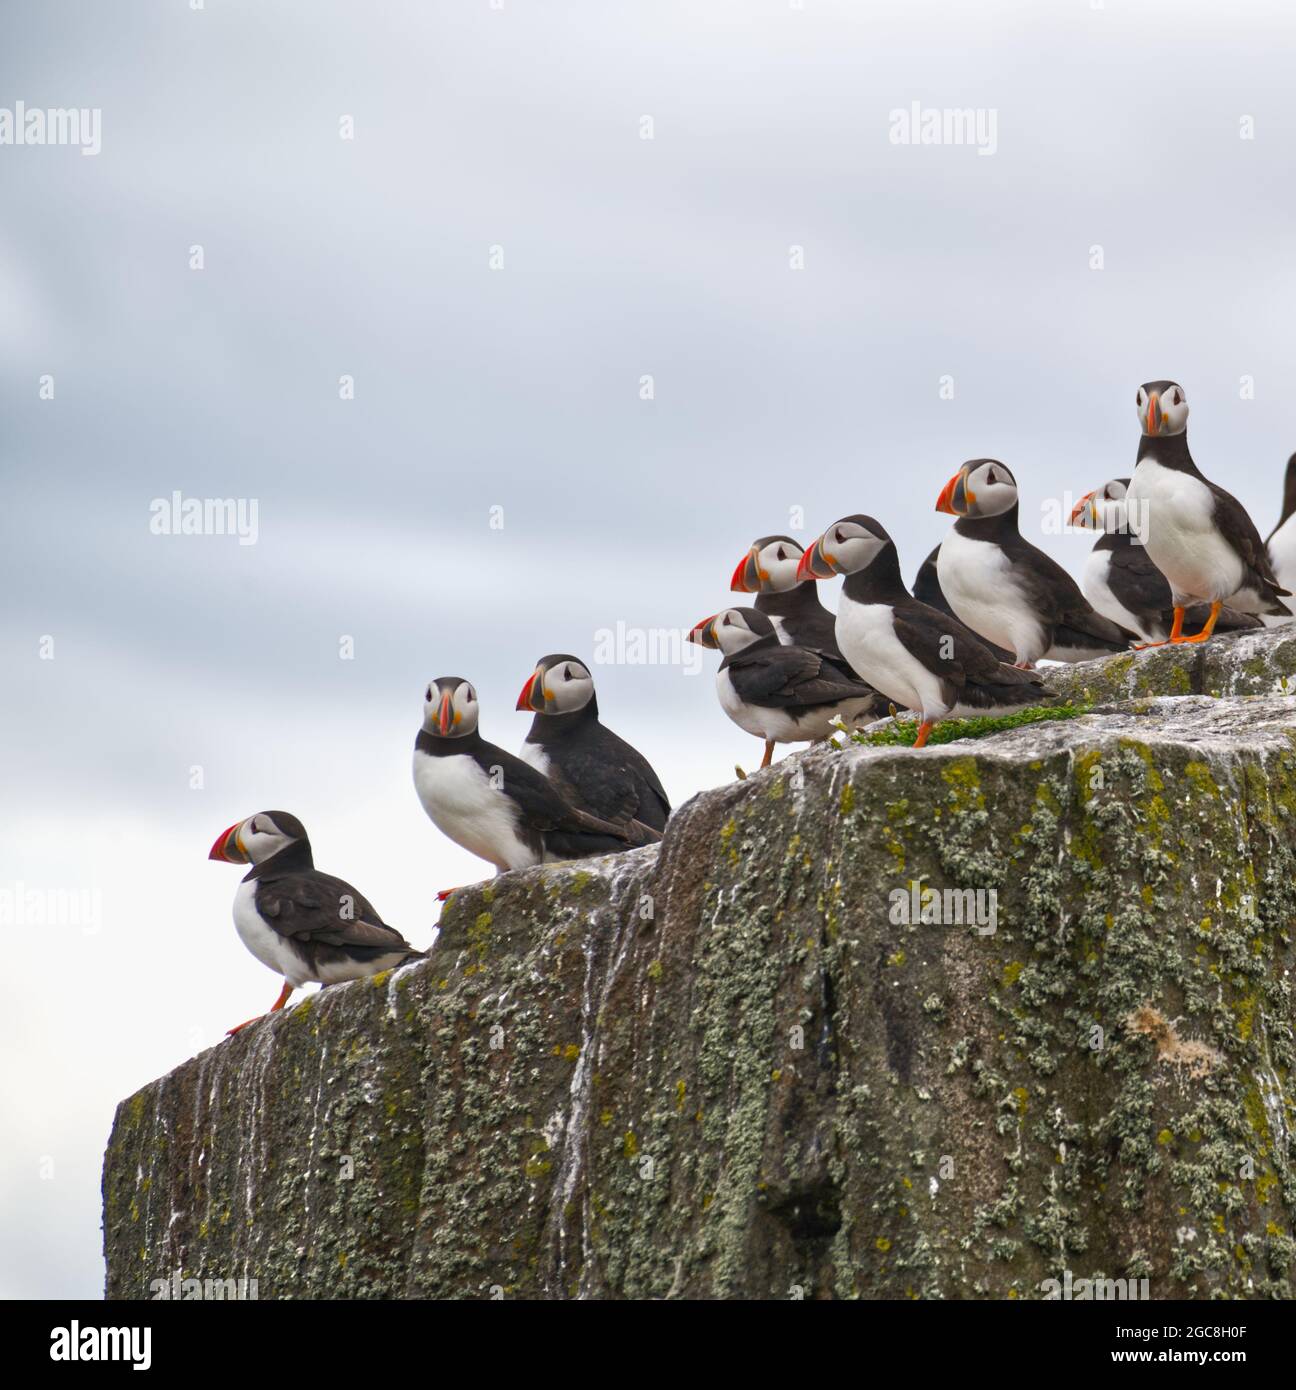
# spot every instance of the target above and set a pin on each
(965, 663)
(612, 778)
(1058, 599)
(1240, 532)
(543, 806)
(790, 678)
(1136, 581)
(314, 909)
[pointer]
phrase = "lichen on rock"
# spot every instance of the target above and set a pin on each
(762, 1060)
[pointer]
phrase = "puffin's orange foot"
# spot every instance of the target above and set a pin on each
(274, 1008)
(924, 733)
(444, 894)
(1147, 646)
(1198, 637)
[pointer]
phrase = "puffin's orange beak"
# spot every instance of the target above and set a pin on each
(227, 847)
(815, 563)
(954, 497)
(703, 633)
(1082, 514)
(443, 714)
(1154, 414)
(524, 700)
(747, 577)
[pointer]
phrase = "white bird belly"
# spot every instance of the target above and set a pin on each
(866, 634)
(264, 942)
(775, 725)
(978, 582)
(1282, 554)
(461, 802)
(1176, 518)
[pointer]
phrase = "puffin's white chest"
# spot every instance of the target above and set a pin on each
(1096, 583)
(534, 753)
(773, 724)
(978, 580)
(867, 636)
(1174, 513)
(1282, 554)
(266, 944)
(463, 802)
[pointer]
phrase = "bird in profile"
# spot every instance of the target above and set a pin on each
(780, 693)
(570, 745)
(1120, 579)
(305, 925)
(1199, 536)
(1007, 590)
(911, 653)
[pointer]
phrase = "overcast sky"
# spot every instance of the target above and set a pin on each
(482, 124)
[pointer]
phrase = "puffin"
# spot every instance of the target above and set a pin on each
(1122, 583)
(590, 765)
(1281, 545)
(914, 654)
(1199, 536)
(768, 570)
(926, 589)
(495, 805)
(779, 692)
(1007, 590)
(304, 924)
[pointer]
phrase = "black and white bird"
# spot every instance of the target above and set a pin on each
(768, 570)
(913, 654)
(495, 805)
(1281, 545)
(780, 693)
(1006, 590)
(568, 743)
(926, 589)
(305, 925)
(1120, 579)
(1199, 536)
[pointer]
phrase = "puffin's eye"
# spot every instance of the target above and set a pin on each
(469, 695)
(781, 554)
(1138, 400)
(838, 537)
(428, 696)
(727, 620)
(1176, 397)
(566, 673)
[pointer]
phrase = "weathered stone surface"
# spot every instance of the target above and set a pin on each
(1254, 663)
(719, 1068)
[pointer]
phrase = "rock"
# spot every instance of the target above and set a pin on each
(730, 1066)
(1262, 662)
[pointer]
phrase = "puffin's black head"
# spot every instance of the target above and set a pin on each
(259, 838)
(732, 629)
(559, 685)
(450, 707)
(1103, 509)
(982, 487)
(1162, 408)
(769, 567)
(846, 547)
